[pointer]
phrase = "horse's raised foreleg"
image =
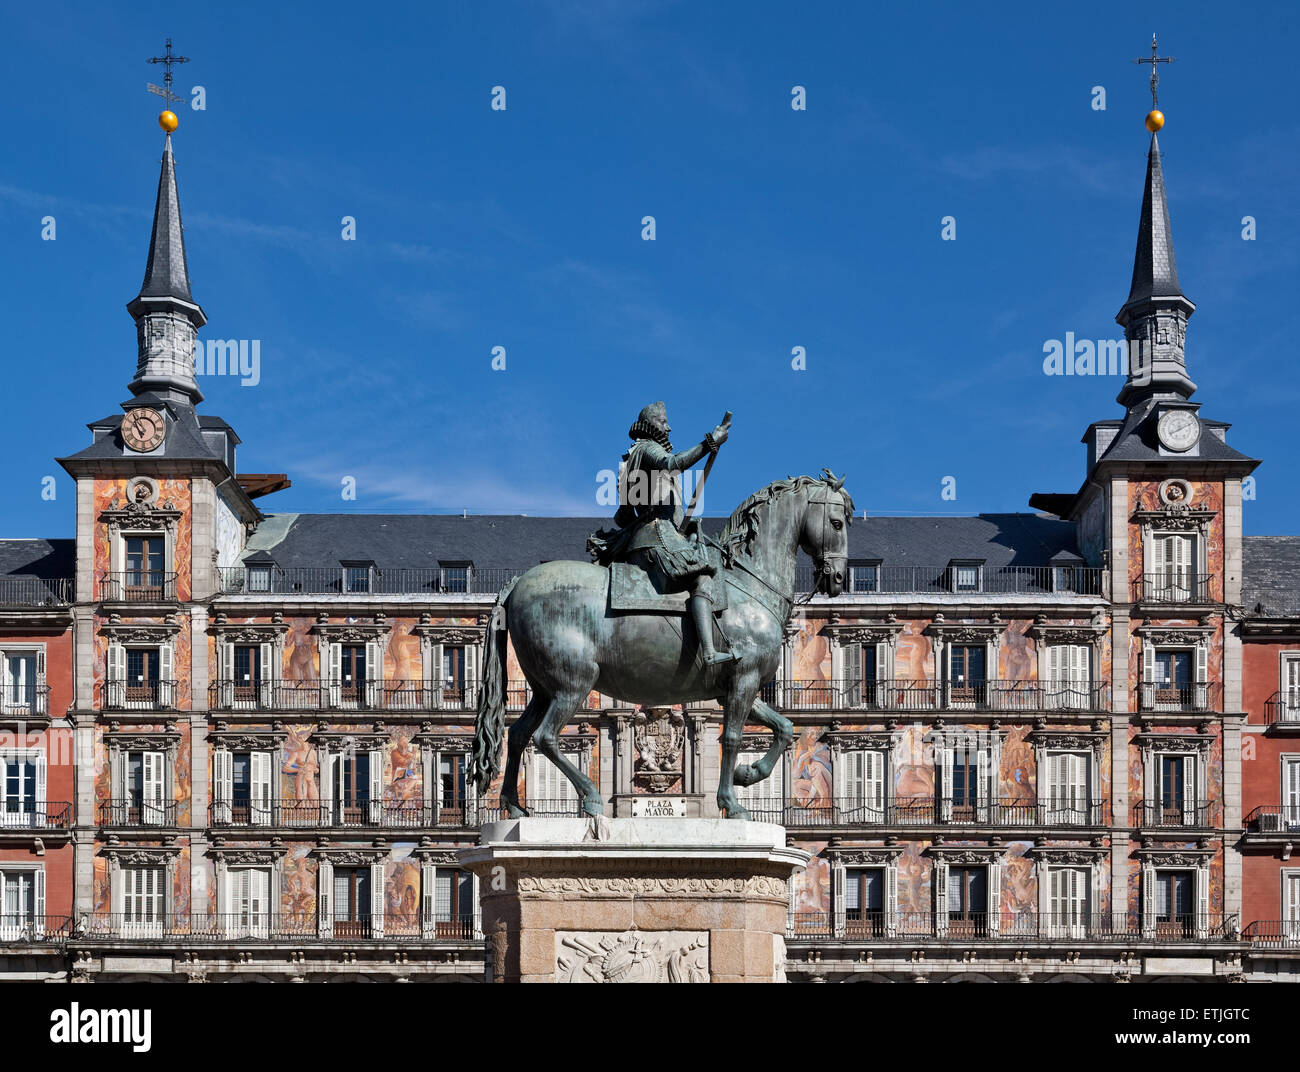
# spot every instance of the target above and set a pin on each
(782, 737)
(517, 738)
(736, 704)
(558, 713)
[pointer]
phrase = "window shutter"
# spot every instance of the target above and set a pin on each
(442, 895)
(1148, 675)
(335, 682)
(260, 763)
(324, 899)
(891, 898)
(1291, 791)
(840, 896)
(38, 906)
(983, 785)
(873, 784)
(152, 810)
(270, 673)
(259, 899)
(1202, 901)
(1202, 675)
(1190, 814)
(428, 880)
(1148, 900)
(377, 898)
(116, 679)
(433, 673)
(376, 766)
(222, 785)
(226, 674)
(471, 676)
(1292, 904)
(995, 898)
(374, 672)
(40, 669)
(940, 884)
(1055, 909)
(853, 791)
(945, 782)
(1291, 686)
(166, 676)
(40, 761)
(853, 690)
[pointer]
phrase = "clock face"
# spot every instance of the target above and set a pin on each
(143, 429)
(1178, 429)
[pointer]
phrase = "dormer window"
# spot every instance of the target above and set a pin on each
(455, 576)
(359, 576)
(259, 578)
(864, 576)
(966, 576)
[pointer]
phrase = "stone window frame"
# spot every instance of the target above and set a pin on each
(989, 743)
(1048, 634)
(270, 637)
(144, 518)
(993, 857)
(39, 709)
(886, 860)
(842, 744)
(1180, 519)
(1153, 746)
(123, 637)
(226, 742)
(1194, 638)
(330, 639)
(1284, 657)
(331, 742)
(327, 859)
(40, 814)
(432, 747)
(120, 743)
(1155, 861)
(1290, 923)
(35, 927)
(1047, 744)
(844, 636)
(225, 860)
(582, 747)
(433, 638)
(1048, 858)
(944, 635)
(122, 857)
(431, 858)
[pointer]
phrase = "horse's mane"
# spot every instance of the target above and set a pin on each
(742, 527)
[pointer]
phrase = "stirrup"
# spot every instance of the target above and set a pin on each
(720, 658)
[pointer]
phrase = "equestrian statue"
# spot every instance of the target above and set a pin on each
(663, 615)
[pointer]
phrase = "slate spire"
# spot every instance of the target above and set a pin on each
(1155, 316)
(166, 315)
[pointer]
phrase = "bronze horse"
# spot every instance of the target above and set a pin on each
(569, 643)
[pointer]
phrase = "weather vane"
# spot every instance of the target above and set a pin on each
(1155, 117)
(167, 118)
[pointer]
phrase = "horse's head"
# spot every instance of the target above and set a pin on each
(825, 534)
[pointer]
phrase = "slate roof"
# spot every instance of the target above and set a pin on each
(184, 439)
(1137, 442)
(516, 542)
(166, 274)
(1155, 274)
(1270, 575)
(48, 559)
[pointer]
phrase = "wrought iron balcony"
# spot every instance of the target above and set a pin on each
(1177, 587)
(265, 695)
(909, 695)
(1282, 710)
(143, 696)
(1274, 819)
(23, 928)
(929, 811)
(136, 814)
(149, 926)
(42, 815)
(138, 586)
(943, 580)
(1153, 813)
(433, 582)
(36, 591)
(25, 701)
(1273, 934)
(910, 927)
(449, 813)
(391, 694)
(1185, 699)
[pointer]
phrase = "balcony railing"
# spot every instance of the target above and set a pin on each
(561, 808)
(339, 580)
(1184, 699)
(353, 813)
(24, 701)
(143, 696)
(929, 811)
(1008, 580)
(160, 927)
(1173, 588)
(1273, 934)
(42, 815)
(23, 928)
(1283, 709)
(857, 925)
(138, 586)
(1274, 819)
(36, 591)
(388, 695)
(900, 695)
(1151, 813)
(136, 813)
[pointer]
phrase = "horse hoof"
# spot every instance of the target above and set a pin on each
(514, 811)
(736, 813)
(595, 806)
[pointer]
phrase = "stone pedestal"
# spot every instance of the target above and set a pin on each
(634, 900)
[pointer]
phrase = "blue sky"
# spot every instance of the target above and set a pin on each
(775, 229)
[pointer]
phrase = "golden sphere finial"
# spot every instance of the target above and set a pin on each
(1155, 120)
(168, 121)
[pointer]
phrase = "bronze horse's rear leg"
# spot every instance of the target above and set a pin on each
(782, 737)
(517, 737)
(738, 701)
(558, 713)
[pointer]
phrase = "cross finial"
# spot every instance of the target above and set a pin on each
(1155, 60)
(165, 90)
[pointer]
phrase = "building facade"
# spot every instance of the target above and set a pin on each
(1045, 746)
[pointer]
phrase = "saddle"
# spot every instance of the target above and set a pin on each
(632, 588)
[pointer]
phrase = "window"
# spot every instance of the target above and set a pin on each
(451, 787)
(1175, 894)
(1289, 709)
(248, 902)
(143, 901)
(968, 900)
(145, 803)
(1067, 902)
(1177, 803)
(966, 674)
(965, 577)
(864, 902)
(139, 677)
(22, 903)
(1069, 676)
(241, 791)
(1173, 567)
(355, 789)
(549, 791)
(259, 578)
(142, 675)
(248, 672)
(22, 789)
(1068, 800)
(455, 578)
(861, 795)
(22, 677)
(864, 672)
(864, 577)
(352, 674)
(352, 902)
(144, 565)
(453, 675)
(452, 909)
(966, 781)
(1291, 906)
(357, 576)
(1173, 677)
(1291, 792)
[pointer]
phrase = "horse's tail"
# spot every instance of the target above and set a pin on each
(489, 726)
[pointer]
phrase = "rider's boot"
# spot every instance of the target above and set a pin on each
(702, 616)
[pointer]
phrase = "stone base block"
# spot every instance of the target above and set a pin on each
(634, 900)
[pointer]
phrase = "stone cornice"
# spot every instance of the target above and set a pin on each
(1174, 742)
(340, 632)
(450, 634)
(141, 515)
(241, 856)
(853, 856)
(860, 740)
(841, 633)
(351, 855)
(444, 742)
(966, 632)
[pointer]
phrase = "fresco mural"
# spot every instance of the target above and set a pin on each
(402, 889)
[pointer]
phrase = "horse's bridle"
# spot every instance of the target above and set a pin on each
(824, 565)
